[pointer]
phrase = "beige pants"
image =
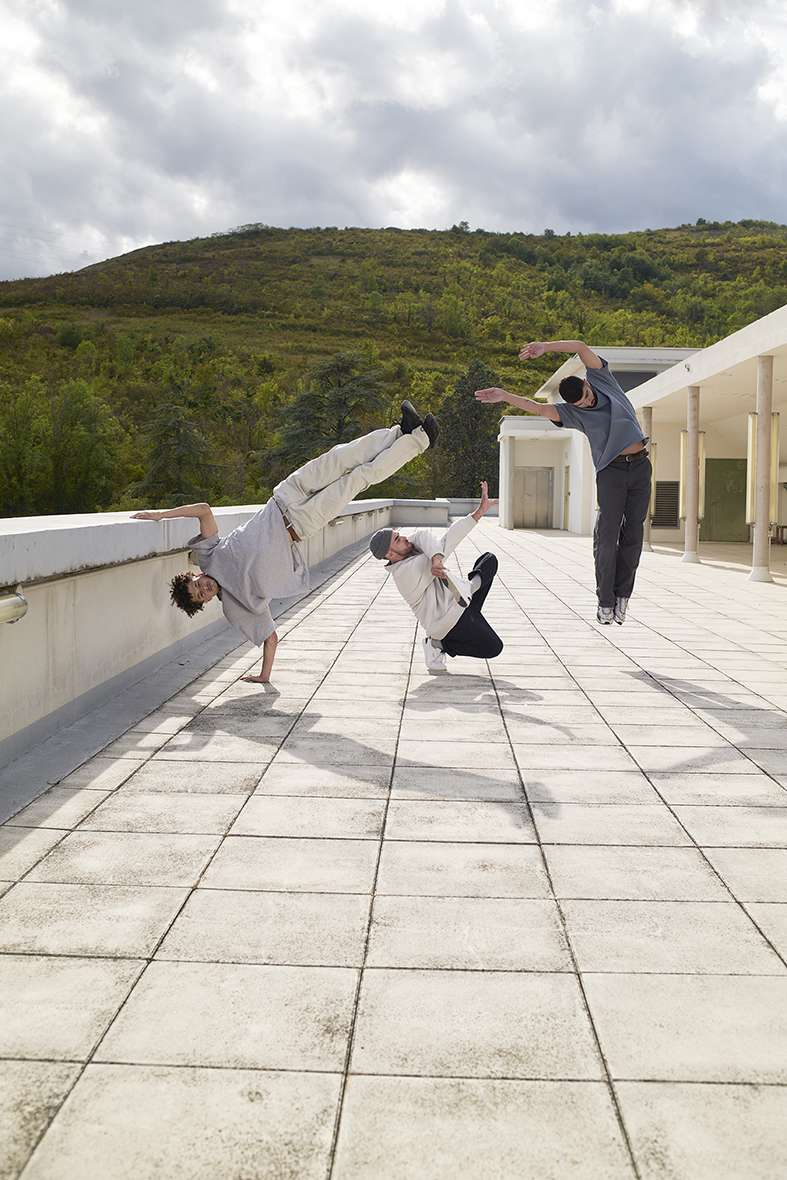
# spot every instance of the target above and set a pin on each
(316, 492)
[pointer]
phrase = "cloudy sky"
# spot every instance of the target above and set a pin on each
(126, 122)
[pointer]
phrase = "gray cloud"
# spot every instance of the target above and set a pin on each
(128, 124)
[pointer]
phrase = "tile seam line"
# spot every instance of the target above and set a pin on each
(607, 1079)
(345, 1073)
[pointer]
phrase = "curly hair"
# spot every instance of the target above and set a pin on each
(571, 389)
(179, 593)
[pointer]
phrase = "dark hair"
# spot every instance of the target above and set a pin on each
(179, 593)
(571, 389)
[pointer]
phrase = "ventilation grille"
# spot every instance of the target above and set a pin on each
(665, 514)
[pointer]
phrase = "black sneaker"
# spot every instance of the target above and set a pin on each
(411, 419)
(432, 431)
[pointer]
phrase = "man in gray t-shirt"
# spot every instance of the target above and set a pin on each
(600, 409)
(261, 559)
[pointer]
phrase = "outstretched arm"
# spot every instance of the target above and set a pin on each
(203, 512)
(543, 409)
(539, 347)
(268, 652)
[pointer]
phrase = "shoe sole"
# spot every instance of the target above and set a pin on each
(410, 418)
(432, 429)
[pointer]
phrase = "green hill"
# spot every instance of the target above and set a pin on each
(205, 347)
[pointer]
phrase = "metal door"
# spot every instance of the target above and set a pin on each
(533, 497)
(725, 501)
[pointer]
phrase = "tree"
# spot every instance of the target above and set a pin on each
(180, 460)
(468, 446)
(338, 401)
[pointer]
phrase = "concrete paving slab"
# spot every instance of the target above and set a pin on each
(471, 1128)
(632, 873)
(211, 778)
(752, 874)
(507, 823)
(21, 848)
(92, 920)
(276, 815)
(259, 862)
(102, 774)
(588, 786)
(771, 918)
(609, 823)
(138, 811)
(754, 790)
(702, 1028)
(302, 929)
(351, 782)
(489, 1024)
(203, 1123)
(706, 1132)
(217, 747)
(60, 807)
(735, 827)
(30, 1093)
(56, 1009)
(461, 870)
(703, 937)
(473, 933)
(234, 1016)
(126, 858)
(427, 782)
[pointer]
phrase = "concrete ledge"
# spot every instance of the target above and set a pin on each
(99, 616)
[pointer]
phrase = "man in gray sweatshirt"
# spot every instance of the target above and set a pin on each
(447, 607)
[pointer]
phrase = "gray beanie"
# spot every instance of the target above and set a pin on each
(380, 543)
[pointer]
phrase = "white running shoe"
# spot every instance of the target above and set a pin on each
(621, 606)
(460, 588)
(605, 614)
(434, 656)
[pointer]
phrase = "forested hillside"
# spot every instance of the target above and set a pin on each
(207, 369)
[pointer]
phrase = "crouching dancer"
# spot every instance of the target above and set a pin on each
(261, 559)
(447, 607)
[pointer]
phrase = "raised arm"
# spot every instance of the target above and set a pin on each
(539, 347)
(485, 504)
(543, 409)
(203, 512)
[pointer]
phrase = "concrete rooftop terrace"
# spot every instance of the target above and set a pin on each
(524, 920)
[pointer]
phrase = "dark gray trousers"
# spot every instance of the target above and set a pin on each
(623, 493)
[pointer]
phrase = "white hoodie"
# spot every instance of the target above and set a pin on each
(428, 597)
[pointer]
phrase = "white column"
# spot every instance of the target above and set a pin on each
(761, 549)
(506, 492)
(647, 429)
(692, 475)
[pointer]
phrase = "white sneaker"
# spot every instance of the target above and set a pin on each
(621, 606)
(605, 614)
(460, 588)
(435, 658)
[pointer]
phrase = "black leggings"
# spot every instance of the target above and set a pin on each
(472, 635)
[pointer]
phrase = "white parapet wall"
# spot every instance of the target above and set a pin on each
(99, 617)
